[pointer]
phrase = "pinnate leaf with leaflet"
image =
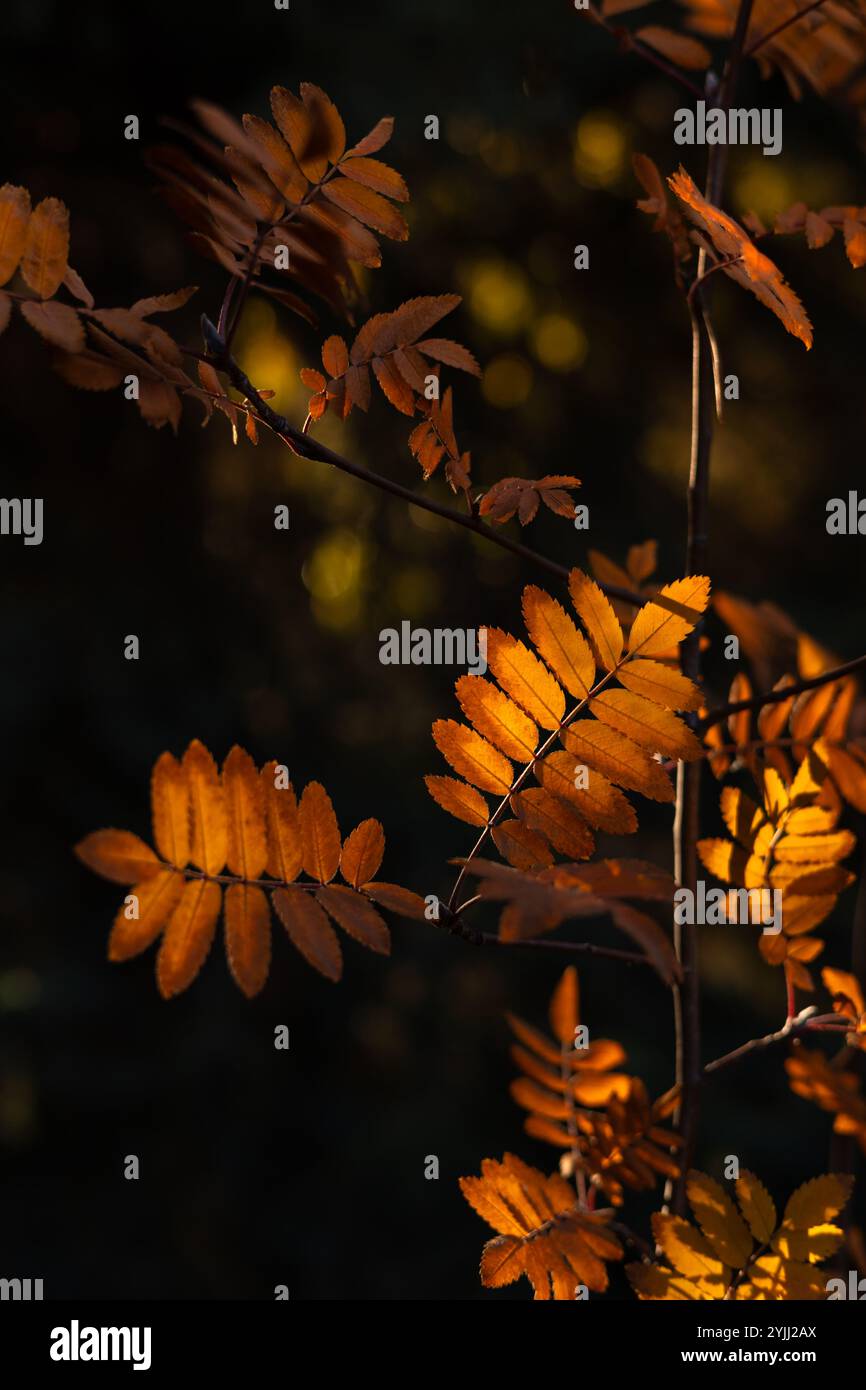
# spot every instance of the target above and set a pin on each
(821, 721)
(789, 841)
(542, 1232)
(613, 741)
(833, 1088)
(395, 348)
(723, 1256)
(560, 1081)
(521, 496)
(576, 1102)
(98, 347)
(292, 183)
(248, 823)
(825, 50)
(542, 899)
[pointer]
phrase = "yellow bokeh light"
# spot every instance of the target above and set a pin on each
(558, 342)
(763, 189)
(500, 152)
(599, 149)
(268, 358)
(499, 296)
(415, 590)
(335, 569)
(507, 381)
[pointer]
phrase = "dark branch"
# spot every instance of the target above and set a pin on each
(774, 697)
(809, 1020)
(309, 448)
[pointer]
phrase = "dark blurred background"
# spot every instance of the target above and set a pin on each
(307, 1167)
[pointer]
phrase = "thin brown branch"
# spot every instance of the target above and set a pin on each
(452, 922)
(630, 44)
(774, 697)
(808, 1020)
(306, 446)
(230, 327)
(687, 1018)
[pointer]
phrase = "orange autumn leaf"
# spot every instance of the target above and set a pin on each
(543, 1234)
(247, 845)
(14, 219)
(45, 257)
(320, 833)
(209, 849)
(362, 853)
(118, 855)
(749, 266)
(232, 827)
(248, 936)
(723, 1255)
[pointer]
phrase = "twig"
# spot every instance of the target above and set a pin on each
(452, 921)
(774, 697)
(687, 1018)
(306, 446)
(585, 948)
(808, 1020)
(629, 43)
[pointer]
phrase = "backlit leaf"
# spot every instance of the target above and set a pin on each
(525, 679)
(209, 846)
(362, 852)
(357, 916)
(14, 218)
(248, 936)
(169, 796)
(472, 757)
(598, 618)
(320, 833)
(656, 629)
(649, 726)
(757, 1206)
(188, 937)
(285, 851)
(118, 855)
(558, 641)
(497, 718)
(309, 930)
(157, 897)
(245, 810)
(458, 799)
(46, 247)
